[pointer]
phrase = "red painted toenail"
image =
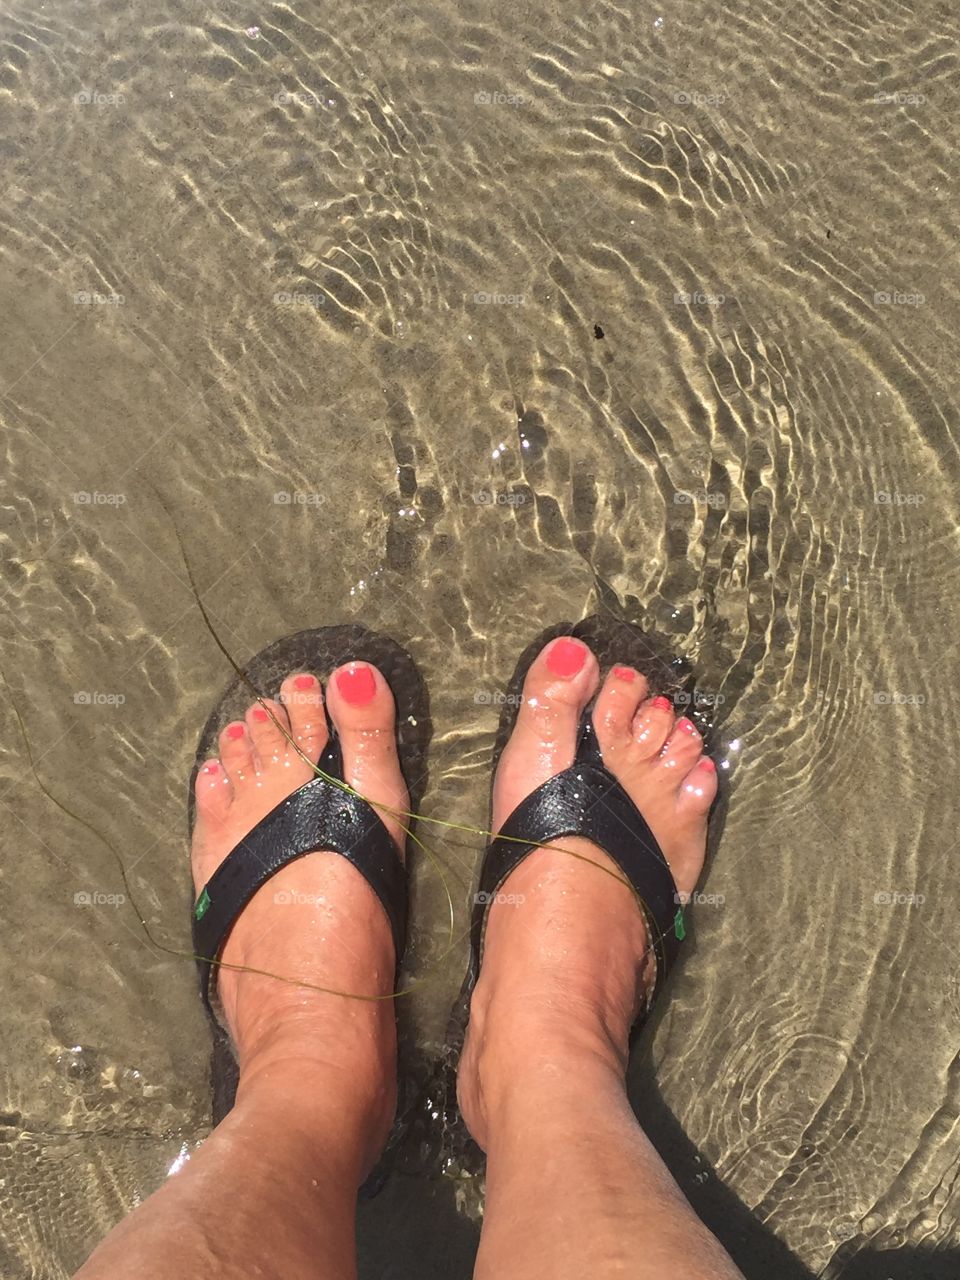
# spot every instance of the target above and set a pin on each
(708, 764)
(305, 682)
(357, 685)
(211, 766)
(260, 714)
(686, 725)
(236, 731)
(566, 657)
(624, 673)
(662, 703)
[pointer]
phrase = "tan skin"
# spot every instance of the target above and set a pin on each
(271, 1193)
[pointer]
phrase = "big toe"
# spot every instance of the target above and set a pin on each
(362, 708)
(561, 681)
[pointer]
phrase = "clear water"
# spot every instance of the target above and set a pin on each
(318, 289)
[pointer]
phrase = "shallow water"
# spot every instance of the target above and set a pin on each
(319, 290)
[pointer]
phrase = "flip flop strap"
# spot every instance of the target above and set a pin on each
(320, 815)
(585, 800)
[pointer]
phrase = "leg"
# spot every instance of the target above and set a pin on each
(574, 1187)
(272, 1192)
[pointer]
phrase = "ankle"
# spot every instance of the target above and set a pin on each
(340, 1107)
(334, 1054)
(566, 968)
(520, 1058)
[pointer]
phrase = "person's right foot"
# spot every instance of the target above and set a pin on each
(316, 920)
(566, 957)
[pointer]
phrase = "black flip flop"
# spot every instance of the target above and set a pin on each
(587, 800)
(319, 815)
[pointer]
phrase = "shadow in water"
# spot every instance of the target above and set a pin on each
(413, 1230)
(901, 1264)
(758, 1253)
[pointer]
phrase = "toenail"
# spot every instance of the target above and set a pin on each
(260, 714)
(304, 682)
(356, 685)
(662, 703)
(624, 673)
(708, 764)
(687, 725)
(210, 767)
(566, 657)
(236, 731)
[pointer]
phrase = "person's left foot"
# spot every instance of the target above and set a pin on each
(567, 960)
(316, 921)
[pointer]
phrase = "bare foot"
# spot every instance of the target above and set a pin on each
(317, 920)
(566, 956)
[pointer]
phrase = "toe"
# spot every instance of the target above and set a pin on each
(616, 706)
(699, 788)
(682, 749)
(560, 683)
(652, 726)
(362, 708)
(236, 750)
(303, 699)
(213, 791)
(269, 728)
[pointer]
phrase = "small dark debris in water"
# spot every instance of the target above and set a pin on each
(532, 433)
(597, 332)
(829, 233)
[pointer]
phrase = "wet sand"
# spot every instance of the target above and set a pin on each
(457, 319)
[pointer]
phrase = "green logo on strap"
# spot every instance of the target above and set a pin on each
(678, 927)
(203, 902)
